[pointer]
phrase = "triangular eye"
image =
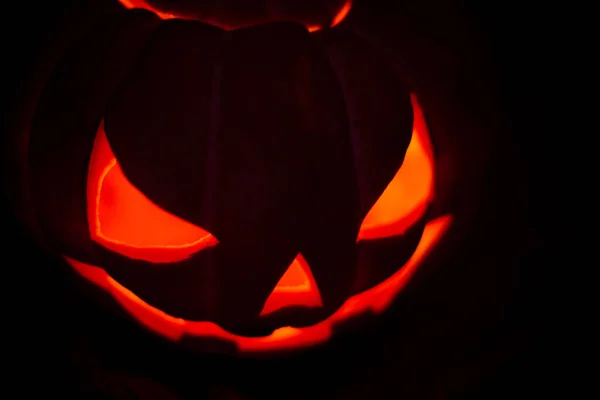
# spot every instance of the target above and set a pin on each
(125, 221)
(297, 287)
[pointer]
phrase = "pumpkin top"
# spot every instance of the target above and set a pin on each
(236, 14)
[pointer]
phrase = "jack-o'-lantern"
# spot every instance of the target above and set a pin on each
(255, 183)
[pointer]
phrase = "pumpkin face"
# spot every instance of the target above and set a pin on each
(259, 186)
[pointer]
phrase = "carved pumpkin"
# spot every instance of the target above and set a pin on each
(257, 186)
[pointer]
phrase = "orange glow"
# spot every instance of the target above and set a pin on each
(339, 17)
(376, 299)
(407, 196)
(297, 287)
(342, 14)
(123, 220)
(146, 6)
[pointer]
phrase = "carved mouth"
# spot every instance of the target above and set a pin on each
(374, 300)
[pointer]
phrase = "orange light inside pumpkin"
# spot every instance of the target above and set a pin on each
(297, 287)
(407, 196)
(375, 299)
(123, 220)
(342, 14)
(339, 17)
(142, 4)
(401, 204)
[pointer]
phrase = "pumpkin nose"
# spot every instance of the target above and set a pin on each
(296, 288)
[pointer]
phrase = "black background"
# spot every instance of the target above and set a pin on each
(494, 342)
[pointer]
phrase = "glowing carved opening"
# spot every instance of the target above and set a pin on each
(342, 14)
(297, 287)
(376, 299)
(407, 196)
(380, 221)
(146, 6)
(339, 17)
(123, 220)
